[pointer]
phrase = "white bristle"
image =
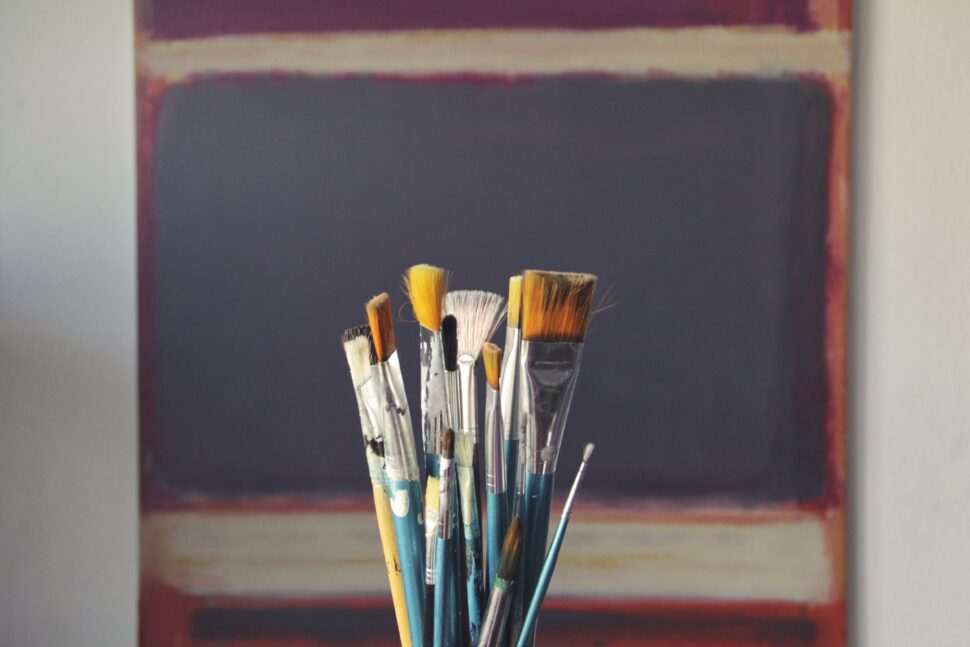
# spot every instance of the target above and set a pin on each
(358, 358)
(588, 452)
(479, 314)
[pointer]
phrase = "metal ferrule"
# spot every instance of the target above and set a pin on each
(468, 397)
(497, 613)
(444, 497)
(430, 530)
(549, 371)
(453, 406)
(494, 443)
(368, 406)
(400, 457)
(434, 398)
(567, 508)
(510, 364)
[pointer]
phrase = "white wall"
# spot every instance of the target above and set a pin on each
(67, 325)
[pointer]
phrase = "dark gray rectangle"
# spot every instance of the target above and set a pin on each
(281, 206)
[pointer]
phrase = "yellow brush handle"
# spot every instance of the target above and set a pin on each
(385, 523)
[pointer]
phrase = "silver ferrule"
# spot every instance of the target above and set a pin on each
(434, 398)
(400, 457)
(447, 467)
(452, 407)
(430, 530)
(494, 443)
(368, 405)
(567, 508)
(549, 371)
(496, 614)
(468, 397)
(510, 364)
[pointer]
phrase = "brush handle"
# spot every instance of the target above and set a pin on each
(443, 602)
(385, 525)
(498, 521)
(545, 578)
(538, 501)
(471, 526)
(406, 506)
(511, 467)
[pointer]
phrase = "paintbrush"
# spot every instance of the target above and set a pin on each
(556, 307)
(549, 565)
(496, 500)
(513, 341)
(500, 601)
(445, 629)
(400, 462)
(426, 286)
(478, 314)
(360, 355)
(457, 621)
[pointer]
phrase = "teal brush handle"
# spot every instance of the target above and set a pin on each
(475, 582)
(406, 505)
(538, 494)
(498, 521)
(443, 594)
(517, 613)
(545, 578)
(431, 464)
(511, 464)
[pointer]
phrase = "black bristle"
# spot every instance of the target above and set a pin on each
(449, 341)
(357, 331)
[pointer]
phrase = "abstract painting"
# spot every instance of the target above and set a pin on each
(295, 157)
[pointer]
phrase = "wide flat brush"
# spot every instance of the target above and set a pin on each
(500, 600)
(358, 348)
(496, 500)
(478, 314)
(549, 565)
(556, 307)
(400, 462)
(426, 286)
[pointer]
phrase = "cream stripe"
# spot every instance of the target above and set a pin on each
(304, 554)
(683, 52)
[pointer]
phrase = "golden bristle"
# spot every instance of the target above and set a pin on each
(426, 286)
(381, 325)
(492, 356)
(515, 301)
(556, 305)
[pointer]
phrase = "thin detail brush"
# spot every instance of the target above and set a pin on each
(444, 610)
(400, 462)
(556, 307)
(496, 499)
(500, 601)
(358, 348)
(513, 341)
(549, 565)
(478, 314)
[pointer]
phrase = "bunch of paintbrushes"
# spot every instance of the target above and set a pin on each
(450, 585)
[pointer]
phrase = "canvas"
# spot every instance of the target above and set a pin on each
(693, 154)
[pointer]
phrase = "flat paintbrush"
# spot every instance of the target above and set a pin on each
(549, 565)
(478, 314)
(359, 350)
(496, 499)
(556, 307)
(400, 462)
(510, 364)
(500, 601)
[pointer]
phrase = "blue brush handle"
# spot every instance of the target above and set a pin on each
(475, 583)
(443, 603)
(498, 521)
(406, 507)
(538, 500)
(545, 578)
(431, 464)
(511, 463)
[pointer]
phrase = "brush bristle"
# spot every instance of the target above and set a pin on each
(588, 452)
(449, 342)
(492, 356)
(358, 347)
(515, 301)
(381, 325)
(478, 313)
(448, 444)
(511, 549)
(556, 305)
(426, 286)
